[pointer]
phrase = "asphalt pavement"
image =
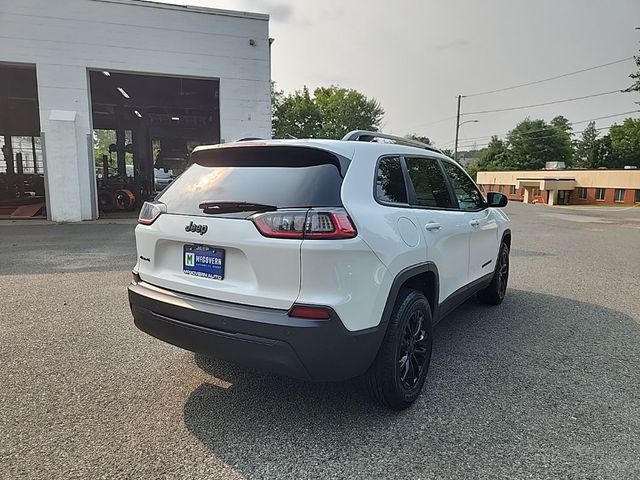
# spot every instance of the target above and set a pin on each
(547, 385)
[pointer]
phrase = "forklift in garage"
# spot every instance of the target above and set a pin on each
(154, 122)
(117, 190)
(127, 186)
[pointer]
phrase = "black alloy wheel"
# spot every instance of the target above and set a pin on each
(497, 289)
(503, 272)
(398, 373)
(414, 351)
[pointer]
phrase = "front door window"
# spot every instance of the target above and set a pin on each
(468, 195)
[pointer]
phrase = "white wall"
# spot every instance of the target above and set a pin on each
(65, 38)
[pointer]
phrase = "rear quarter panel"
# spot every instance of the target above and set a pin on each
(382, 229)
(347, 276)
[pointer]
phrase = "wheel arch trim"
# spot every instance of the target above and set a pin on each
(401, 278)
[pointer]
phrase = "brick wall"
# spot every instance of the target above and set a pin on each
(609, 195)
(515, 197)
(575, 199)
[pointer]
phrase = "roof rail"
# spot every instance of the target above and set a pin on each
(366, 136)
(249, 139)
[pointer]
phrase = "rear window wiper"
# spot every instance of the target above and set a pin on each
(231, 207)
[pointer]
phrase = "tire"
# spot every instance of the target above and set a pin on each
(397, 375)
(106, 201)
(125, 199)
(497, 289)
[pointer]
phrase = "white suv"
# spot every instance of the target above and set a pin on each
(318, 259)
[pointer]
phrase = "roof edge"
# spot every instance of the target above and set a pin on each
(545, 178)
(190, 9)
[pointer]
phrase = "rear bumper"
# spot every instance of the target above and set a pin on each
(262, 338)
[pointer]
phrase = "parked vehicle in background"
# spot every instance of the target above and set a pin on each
(162, 178)
(318, 259)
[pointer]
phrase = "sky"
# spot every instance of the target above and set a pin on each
(415, 57)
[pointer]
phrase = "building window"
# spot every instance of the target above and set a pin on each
(582, 193)
(512, 190)
(536, 192)
(600, 194)
(619, 195)
(501, 188)
(637, 200)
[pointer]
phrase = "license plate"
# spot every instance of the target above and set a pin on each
(203, 261)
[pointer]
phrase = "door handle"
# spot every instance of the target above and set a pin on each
(432, 227)
(474, 223)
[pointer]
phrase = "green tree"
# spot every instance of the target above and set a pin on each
(343, 110)
(625, 143)
(532, 143)
(466, 157)
(296, 115)
(621, 147)
(562, 123)
(601, 155)
(330, 113)
(565, 134)
(496, 156)
(101, 141)
(585, 144)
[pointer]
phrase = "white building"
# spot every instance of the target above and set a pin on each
(159, 77)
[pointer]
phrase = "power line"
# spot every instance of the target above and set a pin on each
(546, 128)
(471, 144)
(480, 112)
(536, 82)
(484, 144)
(422, 125)
(606, 116)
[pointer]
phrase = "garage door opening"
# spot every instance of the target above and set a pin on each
(22, 191)
(145, 127)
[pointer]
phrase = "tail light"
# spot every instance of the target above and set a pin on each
(285, 224)
(332, 224)
(150, 211)
(306, 224)
(310, 313)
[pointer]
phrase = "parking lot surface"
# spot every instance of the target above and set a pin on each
(545, 386)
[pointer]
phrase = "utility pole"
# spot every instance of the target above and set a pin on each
(458, 123)
(455, 149)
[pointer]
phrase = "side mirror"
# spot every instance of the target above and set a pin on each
(497, 199)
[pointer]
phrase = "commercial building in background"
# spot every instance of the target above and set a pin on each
(98, 95)
(566, 187)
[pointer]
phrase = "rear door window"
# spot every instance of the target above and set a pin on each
(390, 184)
(429, 183)
(285, 177)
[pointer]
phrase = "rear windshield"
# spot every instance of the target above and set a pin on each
(285, 177)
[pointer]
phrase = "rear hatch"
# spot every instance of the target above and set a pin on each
(229, 224)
